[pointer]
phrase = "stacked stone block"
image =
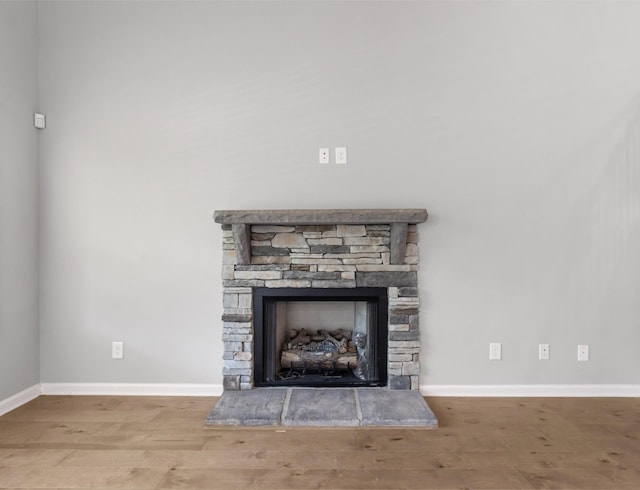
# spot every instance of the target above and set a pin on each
(321, 256)
(404, 338)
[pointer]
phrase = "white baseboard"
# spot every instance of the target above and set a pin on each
(19, 399)
(164, 389)
(601, 390)
(179, 389)
(131, 389)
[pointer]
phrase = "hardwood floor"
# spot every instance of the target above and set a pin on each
(158, 442)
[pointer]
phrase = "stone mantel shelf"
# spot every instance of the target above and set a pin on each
(321, 216)
(241, 221)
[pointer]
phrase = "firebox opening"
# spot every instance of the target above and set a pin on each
(320, 337)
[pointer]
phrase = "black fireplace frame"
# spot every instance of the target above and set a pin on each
(376, 296)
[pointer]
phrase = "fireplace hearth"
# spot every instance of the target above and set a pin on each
(321, 318)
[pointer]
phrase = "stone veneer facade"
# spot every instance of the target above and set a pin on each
(321, 256)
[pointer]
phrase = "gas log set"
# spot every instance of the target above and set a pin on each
(327, 352)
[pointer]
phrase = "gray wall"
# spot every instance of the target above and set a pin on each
(18, 198)
(515, 124)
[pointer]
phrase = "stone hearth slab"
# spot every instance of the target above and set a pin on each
(395, 408)
(250, 407)
(332, 407)
(322, 407)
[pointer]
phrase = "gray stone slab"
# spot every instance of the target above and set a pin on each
(314, 407)
(408, 292)
(248, 407)
(314, 228)
(271, 251)
(382, 407)
(311, 275)
(236, 318)
(241, 239)
(398, 242)
(388, 279)
(330, 249)
(398, 319)
(322, 407)
(411, 335)
(400, 383)
(333, 284)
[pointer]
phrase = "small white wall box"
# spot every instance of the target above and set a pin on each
(39, 121)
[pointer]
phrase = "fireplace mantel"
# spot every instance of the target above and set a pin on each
(321, 216)
(241, 221)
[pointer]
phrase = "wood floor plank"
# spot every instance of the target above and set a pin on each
(570, 479)
(321, 478)
(32, 457)
(12, 477)
(490, 479)
(399, 459)
(203, 459)
(87, 477)
(89, 415)
(320, 438)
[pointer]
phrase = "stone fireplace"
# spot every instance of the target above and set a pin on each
(281, 265)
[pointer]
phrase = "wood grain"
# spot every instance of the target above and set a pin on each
(161, 442)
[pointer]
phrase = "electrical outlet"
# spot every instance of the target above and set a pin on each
(543, 352)
(583, 352)
(323, 156)
(495, 351)
(39, 121)
(341, 155)
(117, 350)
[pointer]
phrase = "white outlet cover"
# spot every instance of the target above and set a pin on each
(543, 352)
(495, 351)
(323, 156)
(583, 352)
(117, 350)
(39, 120)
